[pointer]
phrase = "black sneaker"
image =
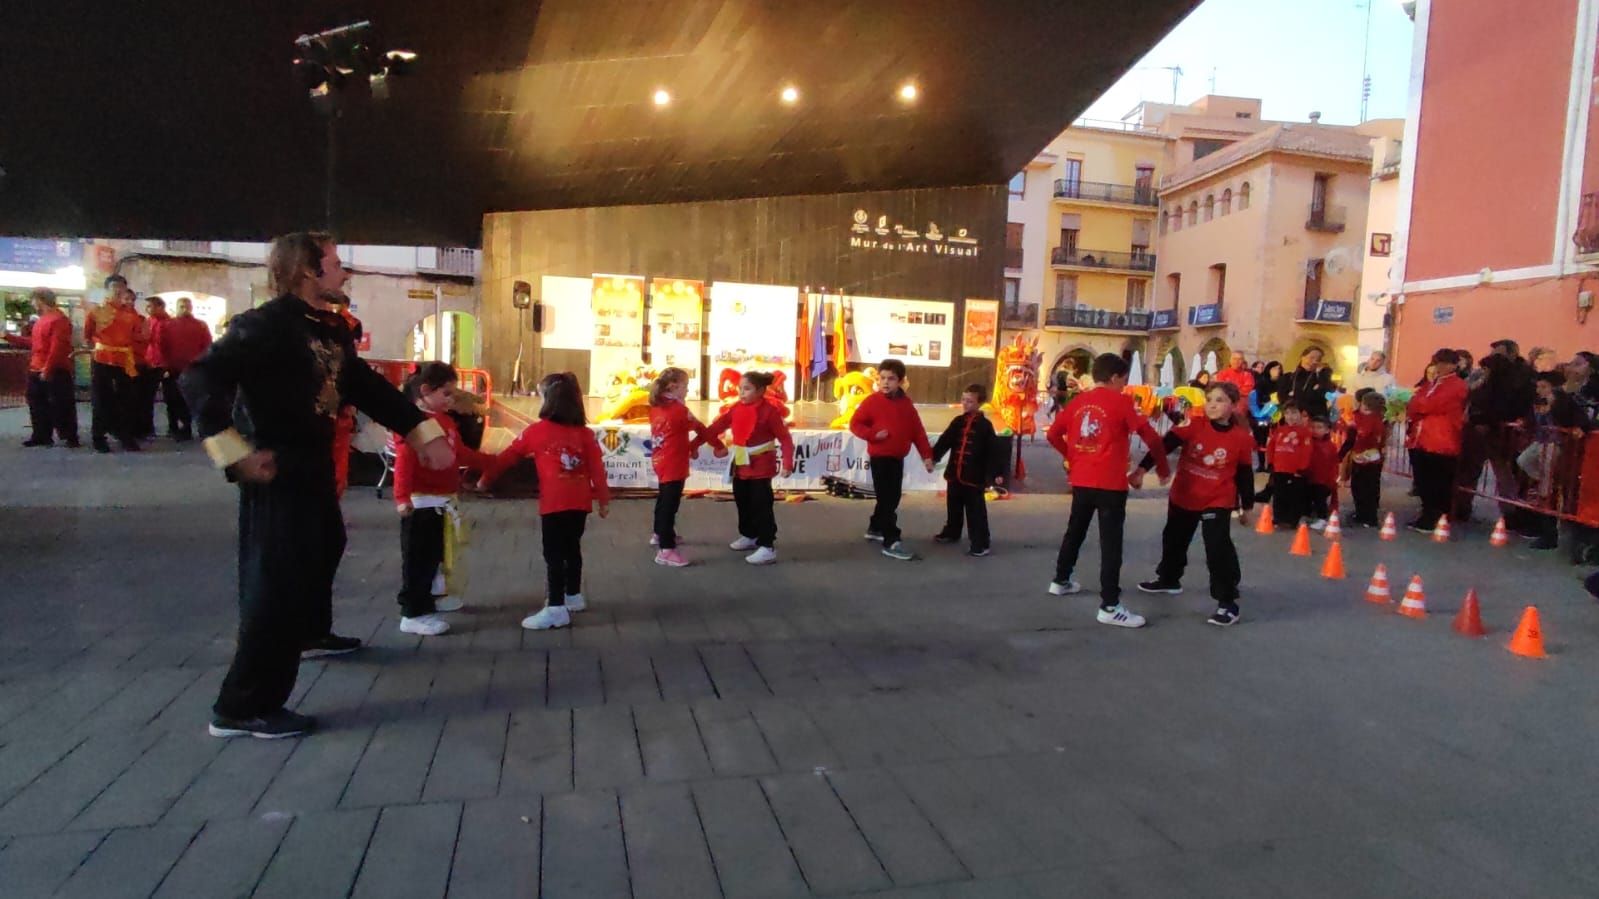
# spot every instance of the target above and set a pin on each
(1159, 586)
(100, 446)
(73, 444)
(276, 726)
(945, 538)
(329, 645)
(1419, 528)
(976, 553)
(131, 446)
(30, 442)
(1224, 616)
(874, 536)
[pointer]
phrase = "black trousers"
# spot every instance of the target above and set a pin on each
(291, 537)
(1365, 486)
(756, 518)
(1111, 507)
(179, 422)
(111, 397)
(1221, 557)
(1321, 500)
(888, 483)
(1290, 498)
(1435, 485)
(968, 501)
(52, 408)
(146, 386)
(563, 554)
(667, 500)
(421, 553)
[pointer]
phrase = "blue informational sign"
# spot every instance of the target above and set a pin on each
(41, 256)
(1164, 318)
(1333, 311)
(1207, 314)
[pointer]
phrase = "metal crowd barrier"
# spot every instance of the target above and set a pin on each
(1543, 468)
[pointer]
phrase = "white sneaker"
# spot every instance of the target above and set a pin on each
(742, 544)
(576, 603)
(1318, 524)
(546, 618)
(655, 539)
(439, 587)
(763, 556)
(1120, 617)
(424, 625)
(448, 603)
(1056, 588)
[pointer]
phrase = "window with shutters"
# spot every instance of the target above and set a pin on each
(1137, 294)
(1066, 292)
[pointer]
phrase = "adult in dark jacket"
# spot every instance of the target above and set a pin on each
(1308, 384)
(265, 398)
(974, 463)
(1497, 409)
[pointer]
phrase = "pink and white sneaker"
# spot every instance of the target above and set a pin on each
(671, 558)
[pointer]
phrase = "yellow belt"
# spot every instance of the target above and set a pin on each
(742, 454)
(457, 534)
(126, 353)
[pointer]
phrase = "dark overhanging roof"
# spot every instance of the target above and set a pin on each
(180, 119)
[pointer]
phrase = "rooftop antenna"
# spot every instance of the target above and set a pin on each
(1212, 79)
(1176, 75)
(1365, 64)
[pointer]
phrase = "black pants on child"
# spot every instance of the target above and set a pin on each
(145, 388)
(1221, 557)
(180, 424)
(563, 554)
(1111, 507)
(421, 553)
(756, 519)
(1435, 486)
(112, 403)
(968, 501)
(1321, 501)
(1365, 486)
(51, 406)
(888, 482)
(1290, 499)
(667, 500)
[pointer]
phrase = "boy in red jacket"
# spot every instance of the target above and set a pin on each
(1364, 446)
(1323, 473)
(1438, 409)
(1215, 475)
(888, 422)
(1093, 433)
(1288, 457)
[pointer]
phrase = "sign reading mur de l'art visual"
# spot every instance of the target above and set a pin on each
(887, 236)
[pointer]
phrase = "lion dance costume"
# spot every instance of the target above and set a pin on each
(1015, 397)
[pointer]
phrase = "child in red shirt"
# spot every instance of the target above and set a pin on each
(1215, 475)
(1288, 457)
(677, 436)
(426, 501)
(571, 481)
(1323, 472)
(757, 435)
(1363, 446)
(1093, 433)
(888, 422)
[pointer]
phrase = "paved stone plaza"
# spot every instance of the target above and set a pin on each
(839, 724)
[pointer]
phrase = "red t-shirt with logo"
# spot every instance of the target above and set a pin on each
(571, 468)
(1093, 434)
(1288, 452)
(676, 433)
(1207, 470)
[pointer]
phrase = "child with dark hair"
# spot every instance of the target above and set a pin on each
(1438, 411)
(1215, 476)
(757, 435)
(888, 422)
(1288, 454)
(973, 465)
(430, 518)
(571, 482)
(677, 435)
(1323, 472)
(1363, 448)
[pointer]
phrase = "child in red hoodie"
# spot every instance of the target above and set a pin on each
(676, 436)
(888, 422)
(426, 501)
(1288, 456)
(757, 435)
(571, 481)
(1364, 445)
(1323, 472)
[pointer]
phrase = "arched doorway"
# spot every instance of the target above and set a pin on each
(1213, 355)
(1171, 372)
(458, 337)
(1075, 362)
(1304, 345)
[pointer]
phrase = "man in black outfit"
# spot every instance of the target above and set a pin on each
(265, 398)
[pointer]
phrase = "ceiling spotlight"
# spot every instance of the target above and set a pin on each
(790, 95)
(662, 97)
(399, 61)
(907, 92)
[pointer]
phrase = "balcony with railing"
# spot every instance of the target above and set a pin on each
(1328, 312)
(1013, 257)
(1328, 219)
(1587, 236)
(1077, 257)
(1101, 192)
(1019, 315)
(1206, 315)
(1164, 320)
(1096, 319)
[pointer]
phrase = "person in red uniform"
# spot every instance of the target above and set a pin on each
(113, 330)
(182, 339)
(888, 422)
(153, 373)
(52, 408)
(571, 482)
(973, 465)
(1438, 409)
(1214, 477)
(1237, 373)
(1323, 472)
(1288, 457)
(677, 435)
(757, 436)
(1093, 433)
(1363, 447)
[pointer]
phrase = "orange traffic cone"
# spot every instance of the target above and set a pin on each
(1333, 531)
(1500, 536)
(1334, 566)
(1264, 525)
(1301, 545)
(1440, 534)
(1377, 591)
(1414, 604)
(1528, 640)
(1389, 529)
(1469, 620)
